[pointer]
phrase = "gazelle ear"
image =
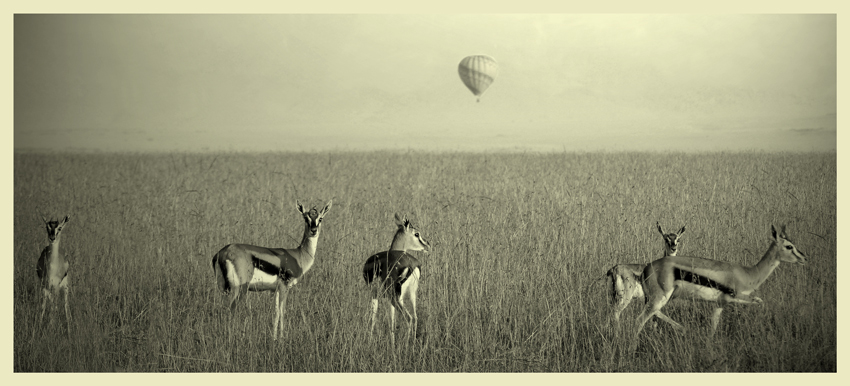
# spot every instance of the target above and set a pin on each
(773, 232)
(67, 218)
(327, 208)
(299, 207)
(43, 219)
(659, 228)
(681, 231)
(401, 222)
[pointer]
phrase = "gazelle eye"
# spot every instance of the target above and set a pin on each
(417, 234)
(788, 247)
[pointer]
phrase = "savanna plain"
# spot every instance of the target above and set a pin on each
(515, 280)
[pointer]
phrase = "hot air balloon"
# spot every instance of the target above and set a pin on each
(477, 72)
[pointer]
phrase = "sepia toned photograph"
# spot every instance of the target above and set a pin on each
(425, 193)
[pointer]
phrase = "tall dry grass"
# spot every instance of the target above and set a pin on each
(514, 282)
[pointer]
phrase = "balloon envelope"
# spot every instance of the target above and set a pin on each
(477, 72)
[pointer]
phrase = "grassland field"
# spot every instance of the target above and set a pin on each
(514, 283)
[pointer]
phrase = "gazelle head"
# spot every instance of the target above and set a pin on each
(671, 240)
(408, 238)
(54, 228)
(313, 218)
(787, 251)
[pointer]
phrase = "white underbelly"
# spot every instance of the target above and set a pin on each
(262, 281)
(54, 282)
(687, 290)
(413, 280)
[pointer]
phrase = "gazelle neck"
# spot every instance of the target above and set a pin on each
(308, 250)
(762, 270)
(55, 256)
(399, 242)
(309, 242)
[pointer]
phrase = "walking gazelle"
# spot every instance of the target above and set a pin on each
(624, 279)
(711, 280)
(242, 267)
(52, 269)
(398, 274)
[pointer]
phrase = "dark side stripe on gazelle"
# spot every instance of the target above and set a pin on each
(381, 266)
(690, 277)
(289, 267)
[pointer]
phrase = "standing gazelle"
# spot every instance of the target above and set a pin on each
(711, 280)
(52, 269)
(624, 279)
(398, 273)
(242, 267)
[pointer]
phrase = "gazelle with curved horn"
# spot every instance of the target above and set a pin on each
(52, 269)
(241, 267)
(624, 279)
(714, 281)
(397, 273)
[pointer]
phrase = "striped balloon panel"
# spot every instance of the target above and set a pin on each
(477, 72)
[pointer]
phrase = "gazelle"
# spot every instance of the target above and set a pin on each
(711, 280)
(398, 273)
(52, 269)
(242, 267)
(624, 279)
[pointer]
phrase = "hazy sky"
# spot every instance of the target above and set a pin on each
(313, 82)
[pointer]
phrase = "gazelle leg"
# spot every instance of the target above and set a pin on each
(374, 314)
(407, 318)
(280, 299)
(726, 299)
(53, 301)
(237, 289)
(642, 319)
(412, 290)
(613, 296)
(622, 302)
(376, 296)
(392, 324)
(398, 304)
(276, 319)
(234, 297)
(46, 296)
(66, 286)
(667, 319)
(653, 307)
(715, 319)
(741, 299)
(619, 297)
